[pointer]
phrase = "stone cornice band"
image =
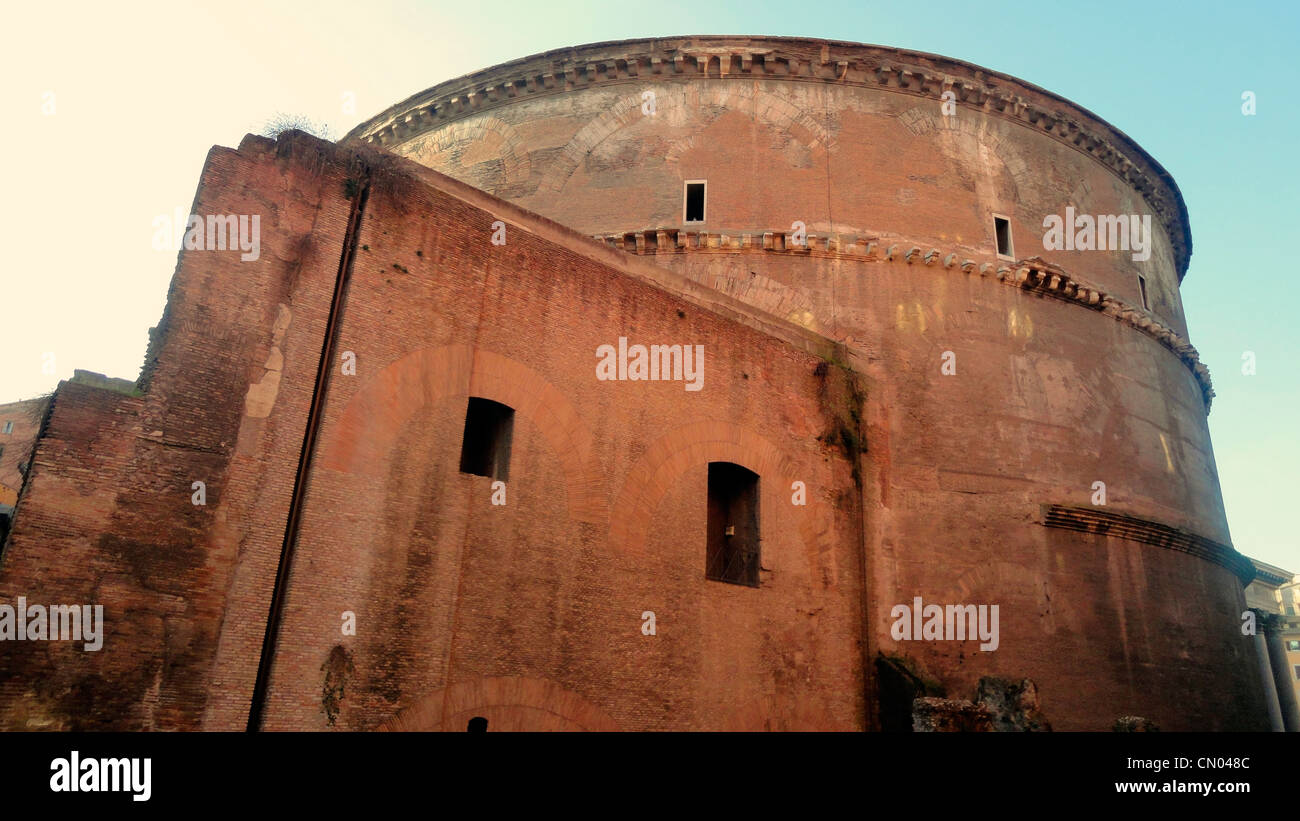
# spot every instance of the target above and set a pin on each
(1124, 526)
(795, 59)
(1033, 274)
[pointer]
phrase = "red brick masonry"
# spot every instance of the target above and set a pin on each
(530, 614)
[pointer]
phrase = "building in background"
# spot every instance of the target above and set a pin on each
(1275, 597)
(19, 424)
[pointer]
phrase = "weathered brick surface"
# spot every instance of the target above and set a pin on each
(606, 499)
(24, 419)
(855, 153)
(456, 599)
(108, 517)
(1049, 396)
(530, 614)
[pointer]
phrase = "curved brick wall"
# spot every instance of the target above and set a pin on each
(850, 139)
(1062, 379)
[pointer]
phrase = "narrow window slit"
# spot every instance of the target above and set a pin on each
(695, 200)
(1002, 230)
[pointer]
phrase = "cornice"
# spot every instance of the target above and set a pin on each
(1270, 578)
(1033, 274)
(1125, 526)
(1270, 574)
(796, 60)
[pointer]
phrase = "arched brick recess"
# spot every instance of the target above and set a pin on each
(695, 445)
(617, 116)
(508, 703)
(373, 419)
(485, 151)
(768, 108)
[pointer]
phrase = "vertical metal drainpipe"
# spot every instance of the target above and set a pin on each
(256, 710)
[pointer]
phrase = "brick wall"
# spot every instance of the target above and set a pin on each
(532, 604)
(530, 613)
(110, 516)
(1048, 396)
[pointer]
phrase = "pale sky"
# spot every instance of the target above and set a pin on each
(141, 91)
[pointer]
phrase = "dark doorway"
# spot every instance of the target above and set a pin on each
(485, 450)
(732, 552)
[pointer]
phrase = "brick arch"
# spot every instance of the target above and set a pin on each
(508, 703)
(768, 107)
(775, 109)
(373, 418)
(459, 148)
(961, 138)
(691, 446)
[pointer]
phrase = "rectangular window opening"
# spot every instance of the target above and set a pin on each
(732, 549)
(695, 200)
(1002, 230)
(485, 450)
(1142, 287)
(9, 426)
